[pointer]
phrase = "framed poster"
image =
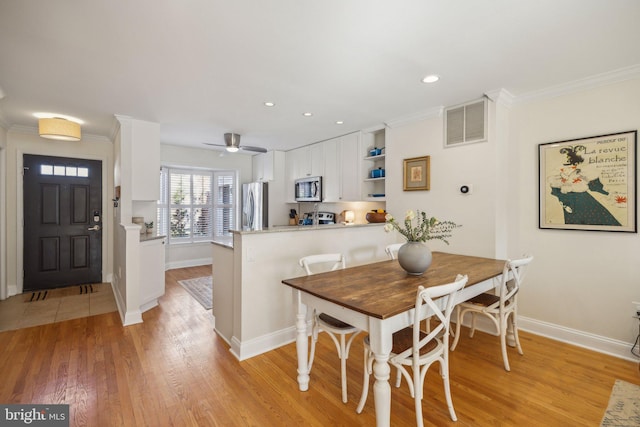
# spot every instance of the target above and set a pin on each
(416, 173)
(589, 183)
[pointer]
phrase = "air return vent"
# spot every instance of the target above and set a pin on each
(466, 123)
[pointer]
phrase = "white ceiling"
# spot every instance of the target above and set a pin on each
(201, 68)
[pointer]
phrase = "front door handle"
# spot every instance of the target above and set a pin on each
(94, 228)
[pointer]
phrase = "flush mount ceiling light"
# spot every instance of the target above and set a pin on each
(431, 78)
(269, 104)
(59, 128)
(307, 114)
(339, 122)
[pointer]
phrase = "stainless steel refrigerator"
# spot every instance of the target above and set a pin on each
(255, 206)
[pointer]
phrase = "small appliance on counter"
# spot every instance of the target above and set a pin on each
(324, 218)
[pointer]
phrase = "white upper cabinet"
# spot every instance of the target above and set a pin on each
(350, 155)
(140, 157)
(342, 169)
(263, 166)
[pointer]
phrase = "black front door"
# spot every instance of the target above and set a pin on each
(62, 222)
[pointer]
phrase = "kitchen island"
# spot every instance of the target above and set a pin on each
(253, 311)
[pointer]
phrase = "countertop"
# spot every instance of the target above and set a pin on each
(288, 228)
(149, 237)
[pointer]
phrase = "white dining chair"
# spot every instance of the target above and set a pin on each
(419, 350)
(323, 322)
(501, 307)
(392, 250)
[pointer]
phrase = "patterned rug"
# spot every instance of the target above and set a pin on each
(624, 406)
(201, 289)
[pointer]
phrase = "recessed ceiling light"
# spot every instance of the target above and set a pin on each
(270, 104)
(431, 78)
(307, 114)
(339, 122)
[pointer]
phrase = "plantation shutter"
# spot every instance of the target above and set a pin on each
(192, 205)
(225, 202)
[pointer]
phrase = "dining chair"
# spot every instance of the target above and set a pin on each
(392, 250)
(501, 307)
(417, 349)
(323, 322)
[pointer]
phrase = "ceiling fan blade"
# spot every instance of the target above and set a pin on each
(214, 145)
(250, 148)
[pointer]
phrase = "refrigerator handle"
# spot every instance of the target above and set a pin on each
(252, 206)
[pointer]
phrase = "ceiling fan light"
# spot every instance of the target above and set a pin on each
(232, 149)
(59, 129)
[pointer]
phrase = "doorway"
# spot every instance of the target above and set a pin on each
(62, 222)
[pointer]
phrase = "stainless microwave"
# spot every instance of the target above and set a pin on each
(309, 189)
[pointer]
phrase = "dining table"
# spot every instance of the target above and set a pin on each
(379, 298)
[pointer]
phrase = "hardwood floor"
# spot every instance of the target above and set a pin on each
(173, 370)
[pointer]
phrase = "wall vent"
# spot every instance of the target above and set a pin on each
(466, 123)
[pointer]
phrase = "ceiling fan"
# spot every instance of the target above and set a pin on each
(232, 144)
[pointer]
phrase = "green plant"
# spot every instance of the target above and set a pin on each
(148, 225)
(426, 228)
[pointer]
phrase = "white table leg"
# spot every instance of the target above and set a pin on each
(302, 348)
(380, 341)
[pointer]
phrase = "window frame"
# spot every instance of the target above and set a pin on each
(164, 205)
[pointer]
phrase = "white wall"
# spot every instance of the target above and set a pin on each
(581, 283)
(26, 141)
(580, 280)
(186, 255)
(450, 167)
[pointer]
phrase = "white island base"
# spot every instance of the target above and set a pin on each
(254, 312)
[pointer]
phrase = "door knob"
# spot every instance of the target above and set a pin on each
(94, 228)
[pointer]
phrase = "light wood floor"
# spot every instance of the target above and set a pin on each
(173, 370)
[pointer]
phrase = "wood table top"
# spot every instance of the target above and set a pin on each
(383, 289)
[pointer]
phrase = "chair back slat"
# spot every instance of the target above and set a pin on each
(512, 278)
(440, 300)
(392, 250)
(322, 263)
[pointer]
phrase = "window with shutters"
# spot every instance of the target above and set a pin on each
(195, 205)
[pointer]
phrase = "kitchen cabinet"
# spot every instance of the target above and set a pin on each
(263, 166)
(152, 284)
(342, 169)
(145, 153)
(373, 188)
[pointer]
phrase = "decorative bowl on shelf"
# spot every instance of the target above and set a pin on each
(375, 217)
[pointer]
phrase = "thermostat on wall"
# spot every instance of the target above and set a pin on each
(466, 189)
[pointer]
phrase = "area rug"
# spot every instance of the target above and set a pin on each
(201, 289)
(624, 406)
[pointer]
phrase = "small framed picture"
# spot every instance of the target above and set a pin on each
(416, 173)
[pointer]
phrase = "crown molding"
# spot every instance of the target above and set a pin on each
(416, 117)
(610, 77)
(501, 97)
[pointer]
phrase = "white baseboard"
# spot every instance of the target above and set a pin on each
(247, 349)
(187, 263)
(582, 339)
(586, 340)
(126, 317)
(243, 350)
